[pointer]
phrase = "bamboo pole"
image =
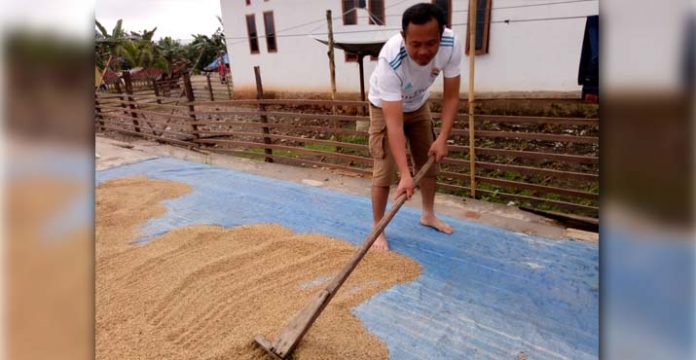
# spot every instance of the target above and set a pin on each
(106, 68)
(210, 87)
(262, 114)
(332, 64)
(472, 59)
(227, 84)
(332, 68)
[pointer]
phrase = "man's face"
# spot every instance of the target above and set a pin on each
(422, 41)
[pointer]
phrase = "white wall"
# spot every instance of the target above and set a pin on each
(523, 56)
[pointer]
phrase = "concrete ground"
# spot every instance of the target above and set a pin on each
(111, 152)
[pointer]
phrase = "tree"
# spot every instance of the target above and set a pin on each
(109, 44)
(137, 49)
(169, 51)
(205, 49)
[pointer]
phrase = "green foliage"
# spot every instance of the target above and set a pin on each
(355, 139)
(130, 49)
(321, 147)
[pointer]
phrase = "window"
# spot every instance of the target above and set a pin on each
(269, 25)
(350, 17)
(483, 25)
(376, 9)
(253, 35)
(248, 2)
(446, 6)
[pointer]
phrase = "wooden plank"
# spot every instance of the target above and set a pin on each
(135, 96)
(174, 141)
(529, 136)
(455, 188)
(297, 161)
(158, 106)
(536, 187)
(97, 110)
(210, 88)
(472, 22)
(112, 117)
(191, 99)
(322, 129)
(148, 112)
(288, 102)
(528, 119)
(115, 117)
(262, 115)
(541, 171)
(531, 199)
(581, 159)
(526, 169)
(129, 91)
(345, 118)
(151, 103)
(522, 185)
(289, 148)
(286, 137)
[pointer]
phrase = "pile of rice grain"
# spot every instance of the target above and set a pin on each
(205, 291)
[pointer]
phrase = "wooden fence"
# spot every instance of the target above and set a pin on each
(208, 86)
(549, 164)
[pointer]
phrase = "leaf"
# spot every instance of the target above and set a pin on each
(118, 30)
(102, 29)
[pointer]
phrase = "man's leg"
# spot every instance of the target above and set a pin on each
(419, 130)
(383, 171)
(428, 188)
(380, 195)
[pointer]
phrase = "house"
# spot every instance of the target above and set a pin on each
(523, 46)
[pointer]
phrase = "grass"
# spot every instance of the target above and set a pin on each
(355, 139)
(321, 147)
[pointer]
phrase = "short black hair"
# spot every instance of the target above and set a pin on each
(420, 14)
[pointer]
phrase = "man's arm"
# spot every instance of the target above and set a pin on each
(450, 108)
(394, 118)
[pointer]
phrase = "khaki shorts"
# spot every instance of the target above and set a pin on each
(418, 128)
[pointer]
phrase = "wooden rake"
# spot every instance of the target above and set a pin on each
(288, 338)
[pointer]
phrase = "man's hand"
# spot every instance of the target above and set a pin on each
(438, 149)
(406, 186)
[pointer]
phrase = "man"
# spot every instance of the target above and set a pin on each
(408, 65)
(222, 69)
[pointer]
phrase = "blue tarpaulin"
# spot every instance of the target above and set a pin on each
(484, 292)
(214, 64)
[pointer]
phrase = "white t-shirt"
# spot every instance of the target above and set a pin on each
(398, 77)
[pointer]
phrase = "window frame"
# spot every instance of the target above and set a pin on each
(486, 30)
(273, 34)
(255, 38)
(353, 14)
(382, 17)
(449, 12)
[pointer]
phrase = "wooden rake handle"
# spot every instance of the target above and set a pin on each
(291, 335)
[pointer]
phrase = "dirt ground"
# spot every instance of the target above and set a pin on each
(205, 291)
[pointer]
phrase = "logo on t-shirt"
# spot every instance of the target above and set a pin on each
(408, 86)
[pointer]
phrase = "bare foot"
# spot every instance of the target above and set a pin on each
(380, 244)
(435, 223)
